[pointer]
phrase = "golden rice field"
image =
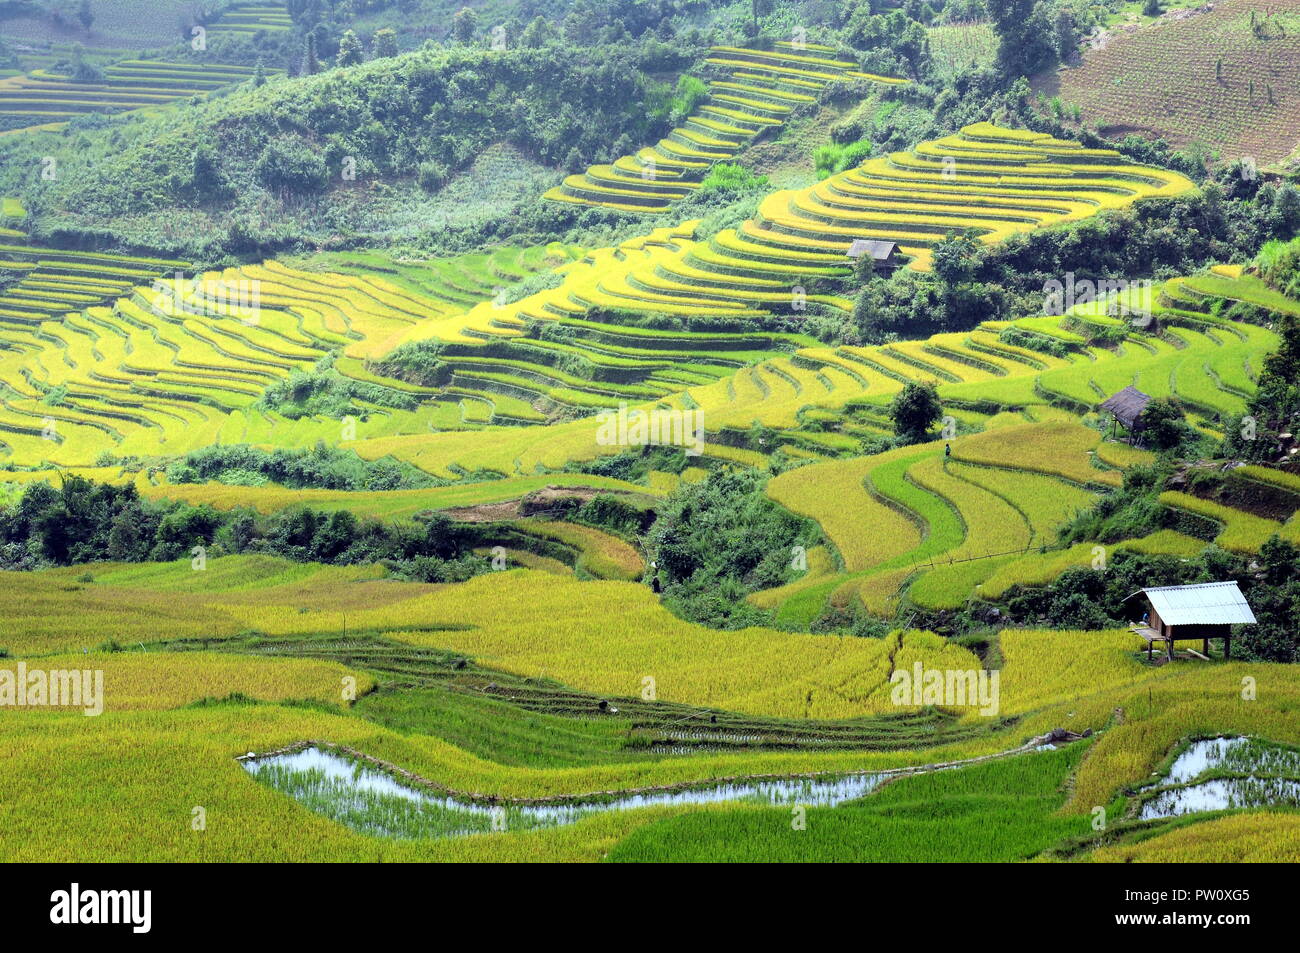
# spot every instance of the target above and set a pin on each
(562, 673)
(632, 638)
(755, 92)
(1259, 838)
(159, 373)
(125, 757)
(910, 526)
(985, 180)
(142, 681)
(384, 504)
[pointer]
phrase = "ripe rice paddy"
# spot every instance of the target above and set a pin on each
(567, 678)
(125, 757)
(758, 91)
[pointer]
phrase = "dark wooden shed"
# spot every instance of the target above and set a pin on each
(883, 254)
(1195, 613)
(1126, 407)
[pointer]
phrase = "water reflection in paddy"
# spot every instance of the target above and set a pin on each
(367, 799)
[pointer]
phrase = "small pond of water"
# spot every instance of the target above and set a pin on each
(1264, 775)
(367, 799)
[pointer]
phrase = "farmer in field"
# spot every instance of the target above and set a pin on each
(947, 450)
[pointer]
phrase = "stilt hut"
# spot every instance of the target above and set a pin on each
(1126, 407)
(1195, 613)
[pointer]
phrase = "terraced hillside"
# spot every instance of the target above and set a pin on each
(155, 373)
(992, 182)
(497, 365)
(52, 281)
(986, 180)
(565, 352)
(824, 401)
(758, 90)
(246, 19)
(43, 97)
(175, 367)
(906, 528)
(1018, 410)
(416, 518)
(913, 528)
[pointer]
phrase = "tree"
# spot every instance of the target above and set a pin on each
(125, 538)
(464, 25)
(432, 175)
(864, 29)
(349, 49)
(84, 71)
(1025, 35)
(1067, 35)
(384, 43)
(954, 259)
(86, 15)
(205, 169)
(915, 409)
(536, 34)
(910, 42)
(1163, 425)
(259, 75)
(864, 268)
(310, 61)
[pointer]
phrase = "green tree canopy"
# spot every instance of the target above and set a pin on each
(915, 410)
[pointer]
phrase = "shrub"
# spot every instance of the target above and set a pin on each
(432, 175)
(290, 165)
(1164, 426)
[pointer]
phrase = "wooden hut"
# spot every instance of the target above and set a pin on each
(1195, 613)
(1126, 407)
(884, 255)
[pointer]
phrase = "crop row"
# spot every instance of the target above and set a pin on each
(759, 90)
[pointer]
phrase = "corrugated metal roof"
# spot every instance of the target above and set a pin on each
(1207, 603)
(878, 250)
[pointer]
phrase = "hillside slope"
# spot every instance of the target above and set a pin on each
(1227, 78)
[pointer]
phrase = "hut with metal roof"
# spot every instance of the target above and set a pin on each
(1195, 613)
(1126, 407)
(884, 255)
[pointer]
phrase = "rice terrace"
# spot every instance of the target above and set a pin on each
(649, 431)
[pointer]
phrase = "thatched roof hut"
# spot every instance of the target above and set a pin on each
(1127, 407)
